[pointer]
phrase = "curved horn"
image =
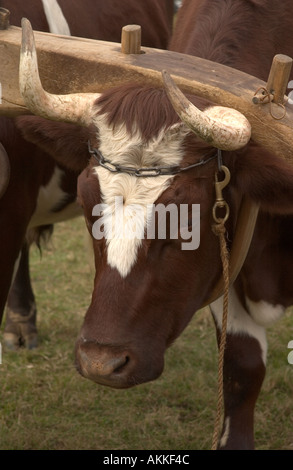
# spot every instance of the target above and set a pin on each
(74, 108)
(4, 170)
(224, 128)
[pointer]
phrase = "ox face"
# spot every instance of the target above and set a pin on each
(146, 289)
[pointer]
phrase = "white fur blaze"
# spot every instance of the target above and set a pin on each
(118, 147)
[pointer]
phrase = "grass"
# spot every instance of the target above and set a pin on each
(46, 405)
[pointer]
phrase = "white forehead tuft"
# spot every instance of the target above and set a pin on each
(119, 147)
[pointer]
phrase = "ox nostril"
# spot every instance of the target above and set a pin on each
(98, 362)
(121, 365)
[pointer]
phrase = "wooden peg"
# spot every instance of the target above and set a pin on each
(279, 77)
(4, 18)
(131, 39)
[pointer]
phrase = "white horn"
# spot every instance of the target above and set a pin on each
(224, 128)
(74, 108)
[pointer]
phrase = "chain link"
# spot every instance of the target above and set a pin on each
(145, 172)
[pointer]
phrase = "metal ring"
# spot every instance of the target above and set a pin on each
(221, 205)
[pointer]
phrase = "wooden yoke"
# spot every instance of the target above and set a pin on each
(70, 65)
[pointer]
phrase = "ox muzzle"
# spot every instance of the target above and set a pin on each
(116, 366)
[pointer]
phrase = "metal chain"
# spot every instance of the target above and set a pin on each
(147, 171)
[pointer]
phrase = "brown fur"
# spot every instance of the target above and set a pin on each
(241, 34)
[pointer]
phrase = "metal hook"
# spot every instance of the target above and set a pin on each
(220, 201)
(220, 185)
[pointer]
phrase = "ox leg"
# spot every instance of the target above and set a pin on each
(244, 371)
(20, 328)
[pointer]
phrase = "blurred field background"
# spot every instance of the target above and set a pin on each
(46, 405)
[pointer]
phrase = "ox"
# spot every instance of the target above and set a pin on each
(47, 191)
(146, 290)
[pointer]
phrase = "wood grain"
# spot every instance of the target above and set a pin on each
(70, 65)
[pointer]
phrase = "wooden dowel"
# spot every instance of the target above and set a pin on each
(263, 99)
(131, 39)
(4, 18)
(279, 77)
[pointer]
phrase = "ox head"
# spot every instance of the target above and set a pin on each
(147, 286)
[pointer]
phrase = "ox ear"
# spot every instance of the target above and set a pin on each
(66, 143)
(265, 178)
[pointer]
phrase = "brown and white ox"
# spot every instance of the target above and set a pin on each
(42, 192)
(146, 290)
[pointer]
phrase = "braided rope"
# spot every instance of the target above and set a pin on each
(220, 231)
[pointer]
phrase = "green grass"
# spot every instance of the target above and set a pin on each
(45, 404)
